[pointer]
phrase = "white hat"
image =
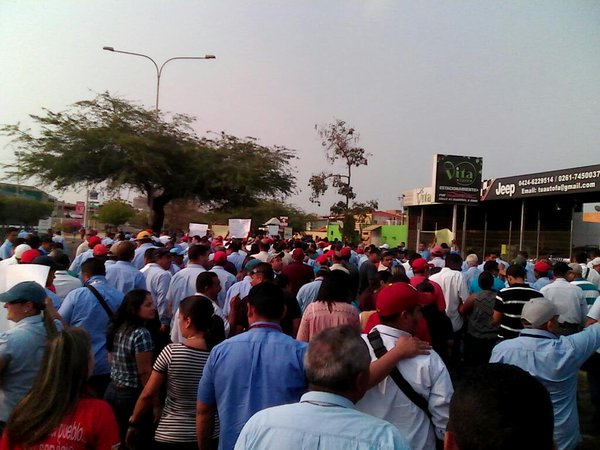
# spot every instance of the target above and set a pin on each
(538, 311)
(20, 249)
(595, 262)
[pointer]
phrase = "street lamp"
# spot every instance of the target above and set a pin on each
(158, 69)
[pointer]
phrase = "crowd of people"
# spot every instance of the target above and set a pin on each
(155, 341)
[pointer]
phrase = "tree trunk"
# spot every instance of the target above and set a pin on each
(157, 206)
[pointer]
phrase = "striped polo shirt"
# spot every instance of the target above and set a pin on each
(509, 302)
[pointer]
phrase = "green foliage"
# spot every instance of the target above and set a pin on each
(341, 145)
(113, 142)
(115, 212)
(15, 210)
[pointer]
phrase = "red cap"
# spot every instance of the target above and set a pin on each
(360, 250)
(220, 257)
(93, 241)
(437, 251)
(323, 244)
(29, 256)
(419, 265)
(100, 250)
(345, 252)
(322, 259)
(396, 298)
(298, 253)
(541, 266)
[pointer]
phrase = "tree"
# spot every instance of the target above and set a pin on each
(341, 145)
(15, 210)
(115, 212)
(118, 144)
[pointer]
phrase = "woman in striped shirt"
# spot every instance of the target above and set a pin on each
(180, 366)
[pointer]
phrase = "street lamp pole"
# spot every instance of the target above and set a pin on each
(158, 68)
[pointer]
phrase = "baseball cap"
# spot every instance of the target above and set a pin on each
(396, 298)
(541, 267)
(538, 311)
(345, 252)
(93, 241)
(100, 250)
(177, 251)
(20, 249)
(28, 256)
(595, 262)
(252, 264)
(143, 235)
(45, 261)
(25, 290)
(272, 256)
(298, 253)
(437, 251)
(220, 257)
(419, 265)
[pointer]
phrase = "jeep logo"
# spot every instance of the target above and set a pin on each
(507, 189)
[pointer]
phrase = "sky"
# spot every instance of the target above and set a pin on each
(517, 83)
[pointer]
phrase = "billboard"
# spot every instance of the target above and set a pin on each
(419, 197)
(457, 179)
(565, 181)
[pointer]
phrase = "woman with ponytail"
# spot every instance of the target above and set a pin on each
(180, 366)
(57, 412)
(22, 347)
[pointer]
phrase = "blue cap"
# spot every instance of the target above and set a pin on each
(178, 251)
(251, 264)
(25, 291)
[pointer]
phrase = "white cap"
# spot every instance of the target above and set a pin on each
(20, 249)
(538, 311)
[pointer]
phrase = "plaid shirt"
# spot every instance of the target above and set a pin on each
(124, 368)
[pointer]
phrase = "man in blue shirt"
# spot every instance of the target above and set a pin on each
(260, 368)
(123, 275)
(337, 369)
(553, 360)
(492, 267)
(81, 308)
(6, 249)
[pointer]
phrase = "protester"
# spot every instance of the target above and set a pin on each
(554, 360)
(22, 347)
(482, 331)
(331, 309)
(273, 371)
(123, 275)
(130, 349)
(90, 307)
(337, 370)
(180, 367)
(6, 249)
(569, 300)
(297, 272)
(499, 407)
(58, 412)
(510, 302)
(399, 312)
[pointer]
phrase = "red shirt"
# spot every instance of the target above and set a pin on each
(299, 274)
(91, 426)
(438, 294)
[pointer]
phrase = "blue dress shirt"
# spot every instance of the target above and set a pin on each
(474, 285)
(75, 267)
(123, 276)
(260, 368)
(321, 421)
(308, 293)
(81, 308)
(555, 362)
(22, 349)
(6, 249)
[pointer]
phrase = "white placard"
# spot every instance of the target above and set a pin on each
(239, 228)
(198, 229)
(15, 274)
(273, 230)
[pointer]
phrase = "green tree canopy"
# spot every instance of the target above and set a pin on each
(116, 143)
(340, 142)
(16, 211)
(115, 212)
